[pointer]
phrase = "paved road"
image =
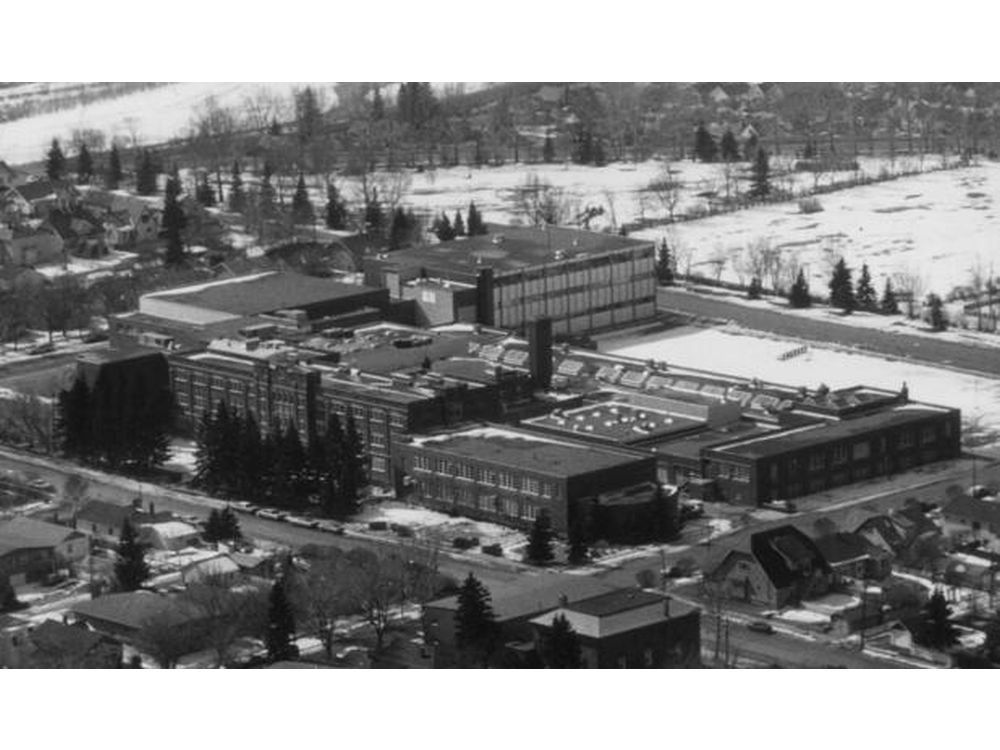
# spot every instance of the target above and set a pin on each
(967, 356)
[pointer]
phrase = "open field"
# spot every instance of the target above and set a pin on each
(936, 226)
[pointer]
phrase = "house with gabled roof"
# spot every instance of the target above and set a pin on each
(773, 568)
(850, 555)
(32, 549)
(968, 519)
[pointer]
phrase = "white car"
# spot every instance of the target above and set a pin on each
(306, 523)
(272, 515)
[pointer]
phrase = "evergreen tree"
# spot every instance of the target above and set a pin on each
(705, 147)
(332, 468)
(867, 298)
(213, 527)
(842, 288)
(55, 161)
(938, 631)
(280, 637)
(336, 211)
(578, 551)
(266, 196)
(729, 147)
(114, 176)
(237, 198)
(275, 127)
(760, 180)
(378, 105)
(292, 462)
(204, 193)
(131, 569)
(935, 313)
(374, 216)
(302, 208)
(539, 549)
(664, 265)
(458, 226)
(475, 624)
(549, 150)
(84, 165)
(403, 229)
(308, 116)
(229, 525)
(354, 475)
(443, 229)
(146, 174)
(560, 646)
(798, 295)
(476, 226)
(251, 461)
(755, 288)
(889, 305)
(598, 154)
(174, 223)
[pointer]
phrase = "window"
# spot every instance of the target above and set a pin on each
(486, 502)
(927, 435)
(532, 486)
(509, 507)
(508, 481)
(861, 450)
(528, 511)
(905, 439)
(817, 462)
(839, 454)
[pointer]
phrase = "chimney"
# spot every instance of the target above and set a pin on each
(540, 352)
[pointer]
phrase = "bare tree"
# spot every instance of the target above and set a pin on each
(374, 587)
(229, 612)
(539, 202)
(264, 107)
(166, 638)
(666, 187)
(910, 284)
(27, 418)
(322, 595)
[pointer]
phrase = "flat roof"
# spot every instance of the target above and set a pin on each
(262, 292)
(521, 449)
(690, 446)
(806, 437)
(507, 249)
(616, 421)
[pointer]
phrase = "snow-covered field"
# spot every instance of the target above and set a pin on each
(748, 356)
(935, 225)
(151, 116)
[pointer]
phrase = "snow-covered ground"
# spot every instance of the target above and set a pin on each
(741, 354)
(936, 226)
(183, 456)
(151, 116)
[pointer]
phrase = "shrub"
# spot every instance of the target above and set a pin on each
(810, 205)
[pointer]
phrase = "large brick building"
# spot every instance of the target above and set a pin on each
(511, 476)
(582, 281)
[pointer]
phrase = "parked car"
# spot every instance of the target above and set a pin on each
(94, 337)
(784, 506)
(333, 528)
(42, 484)
(272, 515)
(378, 526)
(306, 523)
(760, 626)
(401, 529)
(44, 348)
(493, 549)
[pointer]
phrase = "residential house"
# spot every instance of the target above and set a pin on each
(169, 535)
(10, 177)
(124, 616)
(973, 520)
(850, 555)
(30, 244)
(629, 629)
(56, 645)
(221, 567)
(514, 606)
(46, 195)
(32, 549)
(104, 520)
(773, 568)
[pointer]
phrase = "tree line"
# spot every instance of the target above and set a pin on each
(235, 458)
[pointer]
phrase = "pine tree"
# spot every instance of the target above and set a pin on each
(560, 646)
(842, 288)
(458, 226)
(549, 150)
(146, 174)
(867, 298)
(131, 569)
(302, 208)
(403, 228)
(935, 312)
(55, 161)
(84, 165)
(354, 474)
(331, 452)
(938, 631)
(229, 525)
(374, 216)
(174, 223)
(336, 211)
(729, 147)
(705, 147)
(114, 176)
(578, 550)
(475, 226)
(237, 198)
(475, 624)
(760, 181)
(443, 229)
(213, 530)
(280, 625)
(755, 288)
(889, 305)
(664, 265)
(266, 196)
(308, 116)
(204, 193)
(539, 549)
(798, 295)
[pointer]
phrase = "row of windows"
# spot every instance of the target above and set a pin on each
(464, 496)
(503, 479)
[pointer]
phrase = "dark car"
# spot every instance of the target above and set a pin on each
(759, 626)
(45, 348)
